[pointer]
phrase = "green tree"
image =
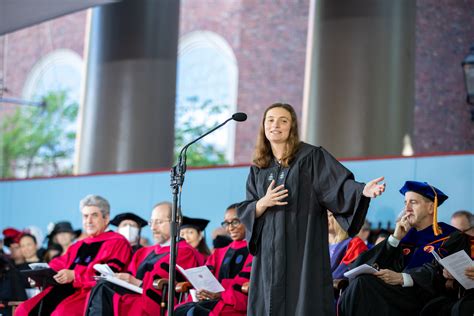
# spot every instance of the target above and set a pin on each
(39, 137)
(189, 127)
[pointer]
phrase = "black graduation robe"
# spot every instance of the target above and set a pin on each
(291, 271)
(368, 295)
(453, 302)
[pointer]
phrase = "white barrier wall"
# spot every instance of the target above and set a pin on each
(207, 192)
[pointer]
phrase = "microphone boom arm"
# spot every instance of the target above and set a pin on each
(182, 154)
(177, 180)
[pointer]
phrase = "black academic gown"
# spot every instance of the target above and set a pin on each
(455, 301)
(291, 272)
(369, 295)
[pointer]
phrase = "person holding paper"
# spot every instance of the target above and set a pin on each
(395, 289)
(289, 188)
(453, 300)
(148, 264)
(231, 265)
(75, 272)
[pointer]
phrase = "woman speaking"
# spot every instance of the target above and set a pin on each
(289, 189)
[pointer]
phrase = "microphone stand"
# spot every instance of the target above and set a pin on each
(177, 180)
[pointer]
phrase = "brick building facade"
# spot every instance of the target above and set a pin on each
(268, 39)
(444, 33)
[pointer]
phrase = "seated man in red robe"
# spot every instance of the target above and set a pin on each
(231, 265)
(148, 264)
(75, 270)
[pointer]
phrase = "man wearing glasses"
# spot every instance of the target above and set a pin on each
(231, 265)
(74, 271)
(147, 264)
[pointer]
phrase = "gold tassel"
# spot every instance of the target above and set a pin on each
(436, 229)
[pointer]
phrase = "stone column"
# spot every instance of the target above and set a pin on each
(127, 118)
(359, 84)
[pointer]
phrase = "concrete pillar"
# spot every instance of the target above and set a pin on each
(359, 83)
(127, 119)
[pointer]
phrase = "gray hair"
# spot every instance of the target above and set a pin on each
(469, 216)
(97, 201)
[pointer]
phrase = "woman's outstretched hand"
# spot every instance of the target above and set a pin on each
(373, 189)
(272, 197)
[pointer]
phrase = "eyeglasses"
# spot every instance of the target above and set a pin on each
(158, 221)
(234, 223)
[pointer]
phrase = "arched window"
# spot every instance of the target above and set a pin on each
(55, 79)
(61, 70)
(207, 77)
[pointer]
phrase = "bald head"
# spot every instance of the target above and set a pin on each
(160, 222)
(462, 220)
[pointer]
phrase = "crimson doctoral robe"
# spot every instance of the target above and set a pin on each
(69, 299)
(231, 265)
(148, 264)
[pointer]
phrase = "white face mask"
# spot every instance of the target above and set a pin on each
(130, 233)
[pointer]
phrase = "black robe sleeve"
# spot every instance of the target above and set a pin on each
(384, 256)
(246, 212)
(430, 275)
(337, 190)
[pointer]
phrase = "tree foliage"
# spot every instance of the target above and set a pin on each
(194, 119)
(39, 138)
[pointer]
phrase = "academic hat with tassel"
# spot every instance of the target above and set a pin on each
(430, 192)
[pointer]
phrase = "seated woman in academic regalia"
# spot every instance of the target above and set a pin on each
(192, 230)
(343, 250)
(28, 247)
(62, 234)
(231, 265)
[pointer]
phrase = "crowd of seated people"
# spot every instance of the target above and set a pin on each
(72, 287)
(409, 280)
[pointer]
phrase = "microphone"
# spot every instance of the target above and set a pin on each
(239, 116)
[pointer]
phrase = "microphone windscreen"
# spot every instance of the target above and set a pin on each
(239, 116)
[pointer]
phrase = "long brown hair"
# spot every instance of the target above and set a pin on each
(263, 151)
(202, 247)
